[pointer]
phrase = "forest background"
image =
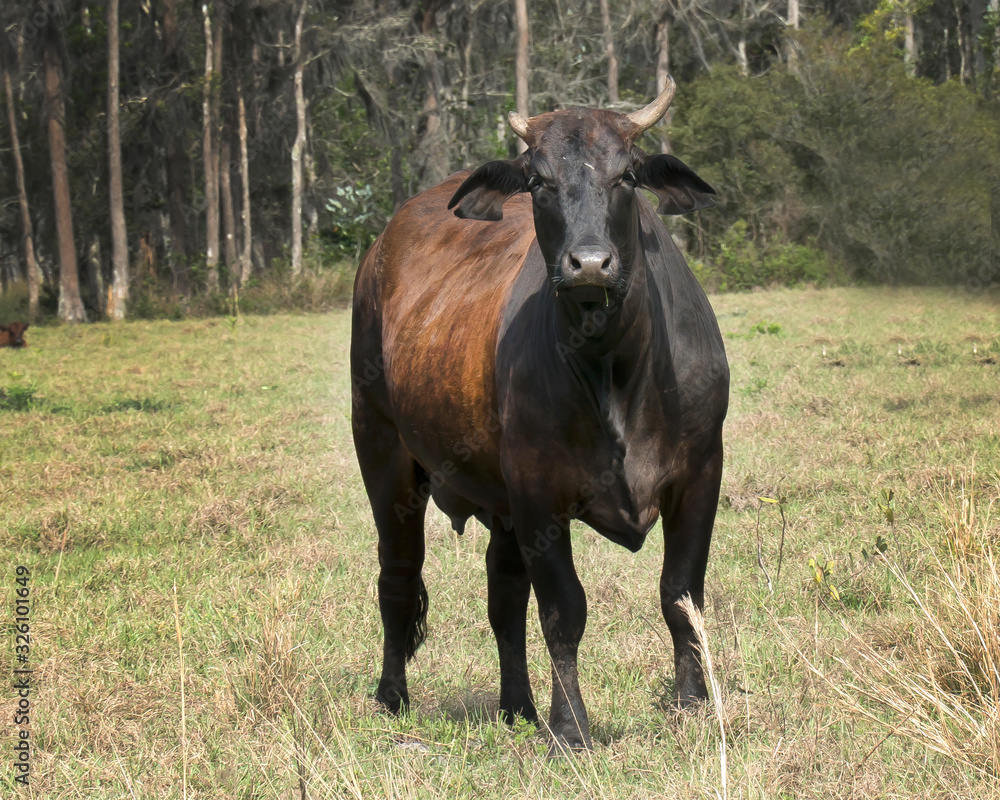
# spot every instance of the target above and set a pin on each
(163, 159)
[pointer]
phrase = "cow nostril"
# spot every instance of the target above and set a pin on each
(589, 263)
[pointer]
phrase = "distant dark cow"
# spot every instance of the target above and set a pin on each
(13, 335)
(533, 363)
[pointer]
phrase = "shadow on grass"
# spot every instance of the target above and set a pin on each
(26, 398)
(145, 404)
(474, 706)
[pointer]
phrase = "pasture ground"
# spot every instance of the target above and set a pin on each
(210, 464)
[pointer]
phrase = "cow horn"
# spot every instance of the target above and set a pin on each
(518, 124)
(646, 118)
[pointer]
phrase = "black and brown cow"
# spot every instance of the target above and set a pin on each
(12, 335)
(542, 354)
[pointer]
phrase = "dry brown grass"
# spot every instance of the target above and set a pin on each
(698, 623)
(221, 460)
(935, 678)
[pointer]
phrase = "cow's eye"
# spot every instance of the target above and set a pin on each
(534, 182)
(628, 177)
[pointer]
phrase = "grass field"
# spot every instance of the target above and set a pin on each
(197, 481)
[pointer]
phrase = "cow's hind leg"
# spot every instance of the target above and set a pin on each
(398, 489)
(687, 536)
(509, 589)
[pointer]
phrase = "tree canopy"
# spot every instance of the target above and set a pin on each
(848, 140)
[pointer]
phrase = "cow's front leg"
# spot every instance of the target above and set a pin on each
(562, 610)
(687, 535)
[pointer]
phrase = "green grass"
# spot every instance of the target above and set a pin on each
(142, 457)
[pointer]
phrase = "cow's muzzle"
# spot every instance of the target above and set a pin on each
(589, 265)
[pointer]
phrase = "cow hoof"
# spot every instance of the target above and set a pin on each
(510, 715)
(692, 694)
(392, 698)
(691, 703)
(690, 689)
(565, 745)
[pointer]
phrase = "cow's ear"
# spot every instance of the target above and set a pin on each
(26, 326)
(483, 193)
(677, 185)
(3, 328)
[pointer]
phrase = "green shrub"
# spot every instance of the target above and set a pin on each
(847, 155)
(739, 263)
(326, 282)
(17, 398)
(14, 302)
(318, 289)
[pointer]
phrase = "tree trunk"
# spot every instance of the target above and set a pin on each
(977, 54)
(464, 136)
(211, 163)
(228, 212)
(118, 293)
(467, 57)
(991, 51)
(95, 277)
(176, 158)
(300, 140)
(910, 44)
(432, 152)
(222, 22)
(793, 23)
(396, 177)
(521, 64)
(177, 170)
(27, 235)
(663, 70)
(70, 305)
(311, 181)
(964, 48)
(609, 52)
(246, 258)
(947, 58)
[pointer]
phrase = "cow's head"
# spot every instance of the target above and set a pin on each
(15, 333)
(582, 170)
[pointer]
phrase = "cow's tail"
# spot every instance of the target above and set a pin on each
(417, 631)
